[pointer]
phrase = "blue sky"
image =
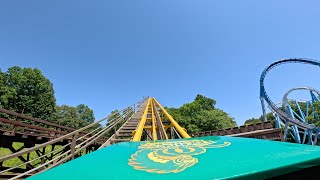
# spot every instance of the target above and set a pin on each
(109, 54)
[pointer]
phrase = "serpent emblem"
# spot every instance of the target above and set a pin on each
(170, 157)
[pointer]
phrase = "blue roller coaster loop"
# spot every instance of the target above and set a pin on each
(288, 119)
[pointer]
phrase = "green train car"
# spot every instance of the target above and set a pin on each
(212, 157)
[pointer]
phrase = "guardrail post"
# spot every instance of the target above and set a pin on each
(43, 153)
(316, 138)
(115, 132)
(73, 144)
(14, 129)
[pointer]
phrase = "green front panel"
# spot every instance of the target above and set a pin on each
(211, 157)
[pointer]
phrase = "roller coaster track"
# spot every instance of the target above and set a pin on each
(283, 115)
(308, 114)
(285, 101)
(145, 120)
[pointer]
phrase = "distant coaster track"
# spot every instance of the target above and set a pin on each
(283, 115)
(285, 101)
(308, 114)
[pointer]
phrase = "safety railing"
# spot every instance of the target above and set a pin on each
(77, 144)
(12, 123)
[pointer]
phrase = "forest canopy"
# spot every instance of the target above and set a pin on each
(201, 115)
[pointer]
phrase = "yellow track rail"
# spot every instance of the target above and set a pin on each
(154, 131)
(152, 104)
(139, 130)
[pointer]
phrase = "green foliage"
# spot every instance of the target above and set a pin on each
(75, 117)
(314, 111)
(85, 113)
(201, 115)
(27, 91)
(270, 117)
(253, 121)
(6, 93)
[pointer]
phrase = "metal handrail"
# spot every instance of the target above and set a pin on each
(71, 155)
(31, 150)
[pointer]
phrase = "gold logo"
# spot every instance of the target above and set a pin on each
(170, 157)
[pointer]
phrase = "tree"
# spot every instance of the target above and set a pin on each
(75, 117)
(6, 93)
(201, 115)
(214, 119)
(253, 121)
(85, 113)
(27, 91)
(205, 103)
(270, 117)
